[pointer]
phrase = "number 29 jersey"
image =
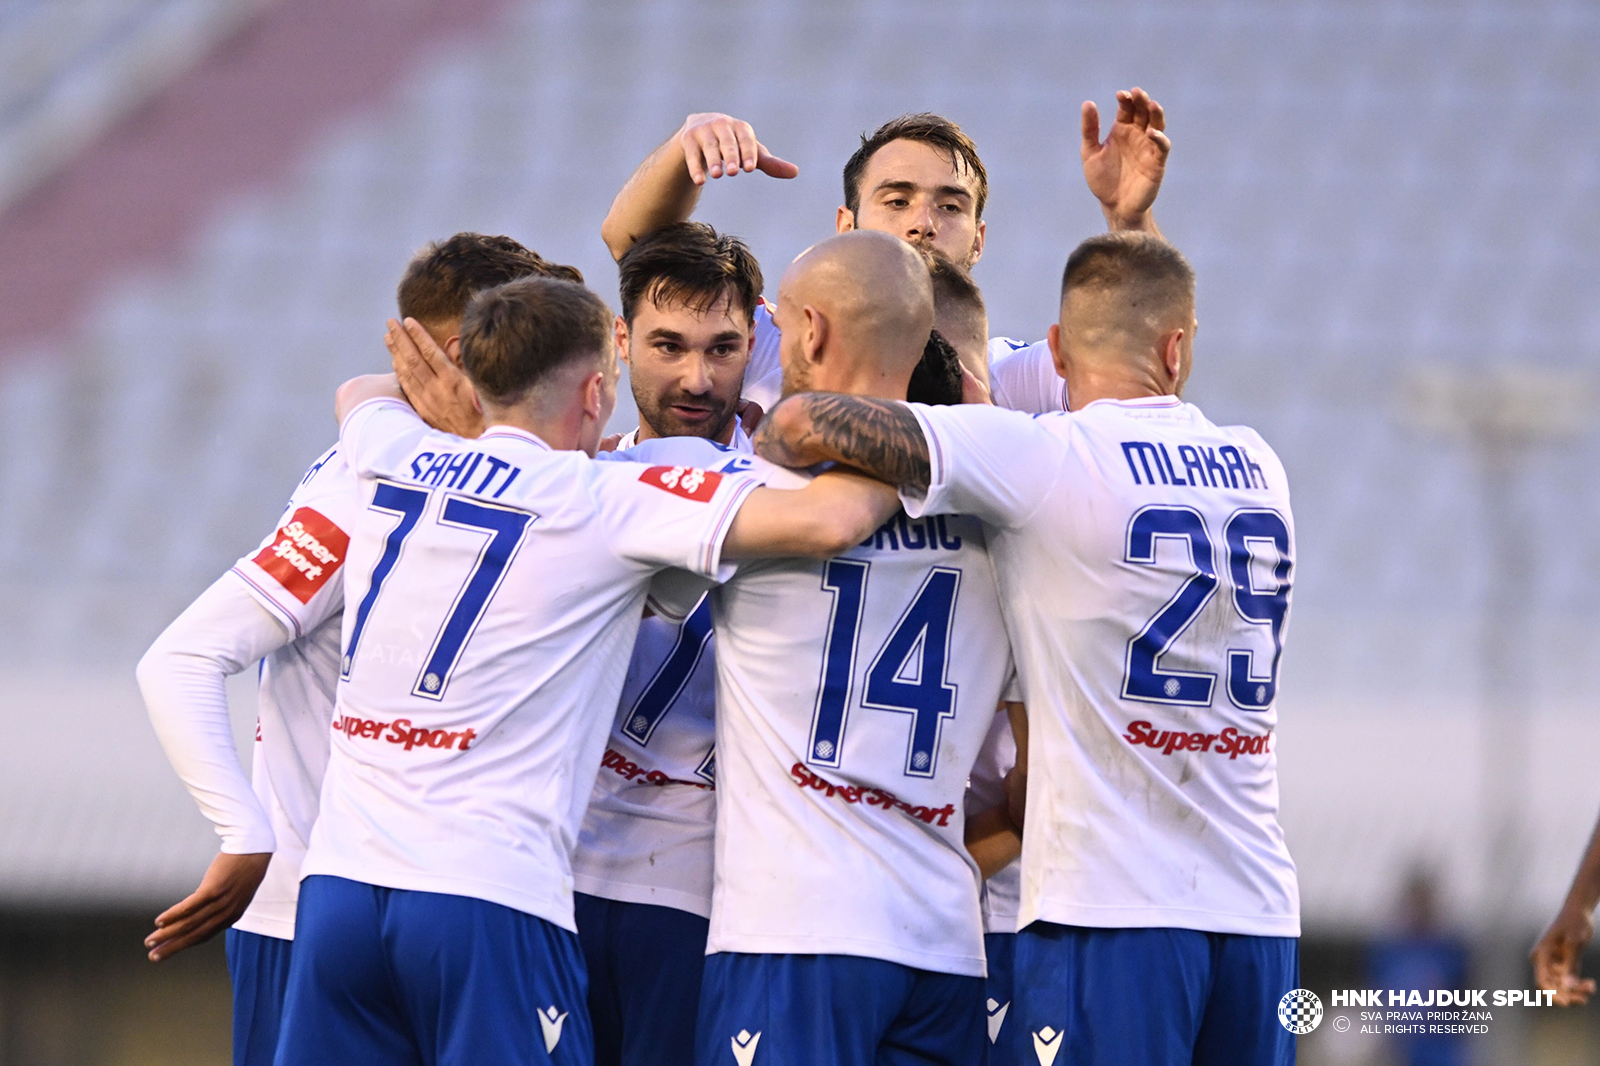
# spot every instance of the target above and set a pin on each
(853, 696)
(493, 593)
(1144, 557)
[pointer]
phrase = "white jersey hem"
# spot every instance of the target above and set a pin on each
(261, 925)
(556, 912)
(962, 965)
(653, 895)
(1094, 917)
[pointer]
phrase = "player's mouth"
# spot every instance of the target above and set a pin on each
(692, 414)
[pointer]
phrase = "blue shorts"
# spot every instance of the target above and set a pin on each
(1001, 948)
(259, 968)
(803, 1010)
(387, 977)
(1160, 997)
(644, 965)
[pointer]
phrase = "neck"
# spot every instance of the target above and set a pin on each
(1085, 385)
(862, 374)
(562, 432)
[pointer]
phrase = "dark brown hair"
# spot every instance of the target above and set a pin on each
(926, 128)
(444, 275)
(953, 287)
(937, 378)
(692, 263)
(1129, 259)
(515, 335)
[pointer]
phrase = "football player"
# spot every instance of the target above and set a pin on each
(1145, 558)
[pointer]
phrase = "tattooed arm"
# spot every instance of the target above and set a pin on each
(881, 438)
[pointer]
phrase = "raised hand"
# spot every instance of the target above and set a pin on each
(433, 384)
(1125, 170)
(224, 893)
(1557, 956)
(717, 145)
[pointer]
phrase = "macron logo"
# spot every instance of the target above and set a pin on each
(1046, 1043)
(550, 1022)
(744, 1047)
(997, 1018)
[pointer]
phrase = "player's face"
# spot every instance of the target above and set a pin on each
(921, 195)
(686, 367)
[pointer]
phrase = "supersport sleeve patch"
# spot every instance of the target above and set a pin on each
(689, 482)
(307, 551)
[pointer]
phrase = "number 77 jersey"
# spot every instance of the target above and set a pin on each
(493, 593)
(1145, 558)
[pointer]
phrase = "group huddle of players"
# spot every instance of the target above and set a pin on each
(947, 734)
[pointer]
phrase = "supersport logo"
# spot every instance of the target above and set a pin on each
(401, 731)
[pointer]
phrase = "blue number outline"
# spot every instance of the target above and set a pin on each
(846, 580)
(409, 507)
(1241, 661)
(483, 581)
(661, 694)
(916, 629)
(1142, 676)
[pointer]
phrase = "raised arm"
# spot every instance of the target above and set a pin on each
(1124, 172)
(834, 513)
(666, 186)
(881, 438)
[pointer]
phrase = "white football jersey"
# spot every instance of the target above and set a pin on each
(986, 788)
(646, 837)
(297, 575)
(495, 589)
(763, 377)
(1144, 559)
(853, 695)
(1023, 377)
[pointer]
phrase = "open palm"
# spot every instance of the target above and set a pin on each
(1124, 172)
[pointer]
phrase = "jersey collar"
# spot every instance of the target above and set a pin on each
(1141, 401)
(516, 434)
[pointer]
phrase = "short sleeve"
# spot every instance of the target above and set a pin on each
(1023, 377)
(993, 464)
(297, 572)
(666, 516)
(674, 594)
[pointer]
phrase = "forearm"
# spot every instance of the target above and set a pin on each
(183, 680)
(659, 193)
(993, 840)
(881, 438)
(831, 515)
(1584, 895)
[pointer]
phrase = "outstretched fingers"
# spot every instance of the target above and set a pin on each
(1091, 129)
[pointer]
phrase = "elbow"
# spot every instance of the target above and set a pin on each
(837, 533)
(615, 234)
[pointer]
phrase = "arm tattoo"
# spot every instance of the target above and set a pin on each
(881, 438)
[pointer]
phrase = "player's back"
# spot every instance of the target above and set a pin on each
(1145, 557)
(853, 696)
(493, 595)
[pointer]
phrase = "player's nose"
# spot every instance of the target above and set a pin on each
(696, 379)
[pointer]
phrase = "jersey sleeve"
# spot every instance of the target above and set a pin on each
(669, 516)
(378, 432)
(183, 678)
(993, 464)
(1023, 377)
(674, 594)
(296, 572)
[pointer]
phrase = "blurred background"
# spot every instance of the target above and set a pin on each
(1393, 208)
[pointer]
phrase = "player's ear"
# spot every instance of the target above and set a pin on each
(1053, 339)
(1172, 357)
(594, 395)
(813, 334)
(977, 244)
(452, 350)
(619, 334)
(844, 220)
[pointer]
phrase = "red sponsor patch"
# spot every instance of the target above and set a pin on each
(690, 482)
(305, 554)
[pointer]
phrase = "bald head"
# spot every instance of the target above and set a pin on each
(855, 311)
